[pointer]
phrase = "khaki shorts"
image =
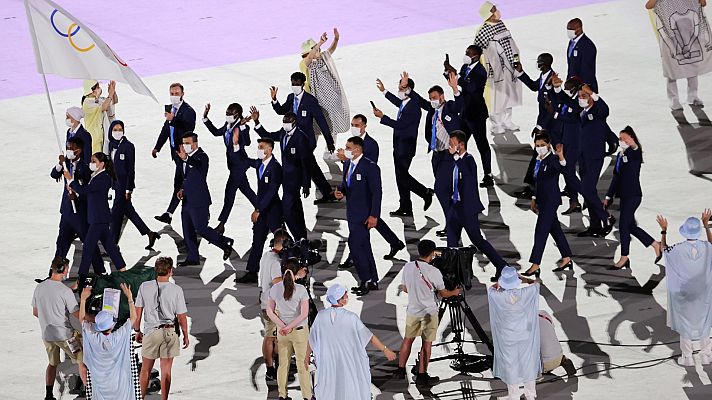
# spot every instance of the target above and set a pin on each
(161, 343)
(425, 327)
(553, 364)
(270, 327)
(53, 351)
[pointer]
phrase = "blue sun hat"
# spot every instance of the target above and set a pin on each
(104, 321)
(509, 279)
(691, 229)
(335, 293)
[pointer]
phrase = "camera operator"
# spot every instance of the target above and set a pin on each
(107, 352)
(422, 282)
(160, 302)
(288, 308)
(52, 303)
(271, 274)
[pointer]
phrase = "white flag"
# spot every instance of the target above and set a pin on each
(66, 47)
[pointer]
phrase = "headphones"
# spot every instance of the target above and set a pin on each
(63, 266)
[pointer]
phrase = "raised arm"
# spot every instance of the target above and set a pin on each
(129, 296)
(662, 221)
(706, 215)
(335, 42)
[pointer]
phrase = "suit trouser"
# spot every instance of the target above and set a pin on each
(293, 210)
(590, 171)
(529, 175)
(71, 227)
(386, 232)
(673, 94)
(406, 183)
(293, 343)
(177, 185)
(442, 182)
(361, 252)
(236, 180)
(318, 177)
(121, 208)
(195, 222)
(478, 129)
(95, 234)
(547, 223)
(571, 155)
(627, 225)
(459, 217)
(269, 221)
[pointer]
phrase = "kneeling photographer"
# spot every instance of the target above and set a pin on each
(423, 282)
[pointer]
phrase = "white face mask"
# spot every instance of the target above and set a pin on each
(349, 154)
(117, 134)
(261, 154)
(69, 122)
(93, 167)
(230, 119)
(355, 131)
(401, 95)
(175, 100)
(466, 60)
(624, 145)
(583, 103)
(435, 103)
(188, 148)
(287, 126)
(542, 151)
(571, 33)
(70, 154)
(297, 90)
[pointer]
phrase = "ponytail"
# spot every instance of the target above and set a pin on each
(290, 268)
(108, 164)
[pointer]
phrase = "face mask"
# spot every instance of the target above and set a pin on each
(188, 148)
(69, 122)
(349, 154)
(175, 100)
(435, 103)
(297, 90)
(261, 154)
(624, 145)
(355, 131)
(583, 103)
(93, 167)
(70, 154)
(542, 151)
(401, 95)
(466, 60)
(288, 126)
(117, 134)
(571, 33)
(230, 119)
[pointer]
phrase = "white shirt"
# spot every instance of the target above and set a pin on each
(356, 160)
(266, 161)
(470, 68)
(576, 39)
(177, 107)
(441, 135)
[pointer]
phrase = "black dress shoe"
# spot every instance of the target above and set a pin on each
(187, 263)
(227, 250)
(165, 218)
(327, 198)
(372, 285)
(394, 249)
(249, 277)
(348, 263)
(624, 266)
(220, 228)
(428, 199)
(152, 237)
(401, 213)
(569, 265)
(534, 273)
(568, 366)
(487, 181)
(360, 290)
(572, 210)
(441, 233)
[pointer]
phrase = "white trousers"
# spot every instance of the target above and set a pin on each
(673, 94)
(503, 118)
(514, 392)
(687, 347)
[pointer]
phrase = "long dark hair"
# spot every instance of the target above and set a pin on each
(290, 268)
(92, 90)
(630, 132)
(108, 164)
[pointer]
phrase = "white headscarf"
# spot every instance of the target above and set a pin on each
(486, 10)
(76, 113)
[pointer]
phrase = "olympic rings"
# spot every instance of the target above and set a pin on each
(70, 34)
(79, 49)
(51, 20)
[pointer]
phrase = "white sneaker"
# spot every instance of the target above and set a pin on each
(705, 359)
(686, 361)
(510, 126)
(675, 105)
(498, 129)
(697, 103)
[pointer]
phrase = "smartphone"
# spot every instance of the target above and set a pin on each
(372, 105)
(515, 60)
(168, 107)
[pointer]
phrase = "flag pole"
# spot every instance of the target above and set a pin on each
(51, 112)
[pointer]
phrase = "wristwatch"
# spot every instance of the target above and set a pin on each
(663, 232)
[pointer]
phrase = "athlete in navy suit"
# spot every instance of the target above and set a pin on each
(77, 130)
(567, 127)
(581, 55)
(235, 135)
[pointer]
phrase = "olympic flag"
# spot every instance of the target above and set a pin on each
(66, 47)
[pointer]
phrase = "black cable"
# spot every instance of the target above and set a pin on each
(619, 344)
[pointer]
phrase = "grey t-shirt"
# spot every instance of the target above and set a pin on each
(550, 346)
(289, 310)
(422, 285)
(54, 302)
(270, 268)
(172, 303)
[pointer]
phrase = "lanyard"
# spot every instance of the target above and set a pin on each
(430, 286)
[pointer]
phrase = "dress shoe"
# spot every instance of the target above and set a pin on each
(360, 290)
(249, 277)
(572, 209)
(165, 218)
(325, 199)
(401, 213)
(569, 265)
(152, 237)
(534, 273)
(372, 285)
(487, 181)
(220, 228)
(426, 380)
(568, 366)
(696, 103)
(441, 233)
(625, 265)
(399, 373)
(494, 278)
(394, 249)
(428, 199)
(348, 263)
(227, 250)
(187, 263)
(525, 193)
(587, 233)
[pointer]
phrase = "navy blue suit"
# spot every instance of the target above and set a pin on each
(567, 128)
(308, 111)
(237, 164)
(195, 212)
(626, 185)
(74, 224)
(295, 150)
(172, 132)
(593, 148)
(362, 189)
(405, 138)
(545, 94)
(270, 207)
(99, 218)
(82, 134)
(472, 80)
(548, 200)
(582, 61)
(465, 207)
(123, 154)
